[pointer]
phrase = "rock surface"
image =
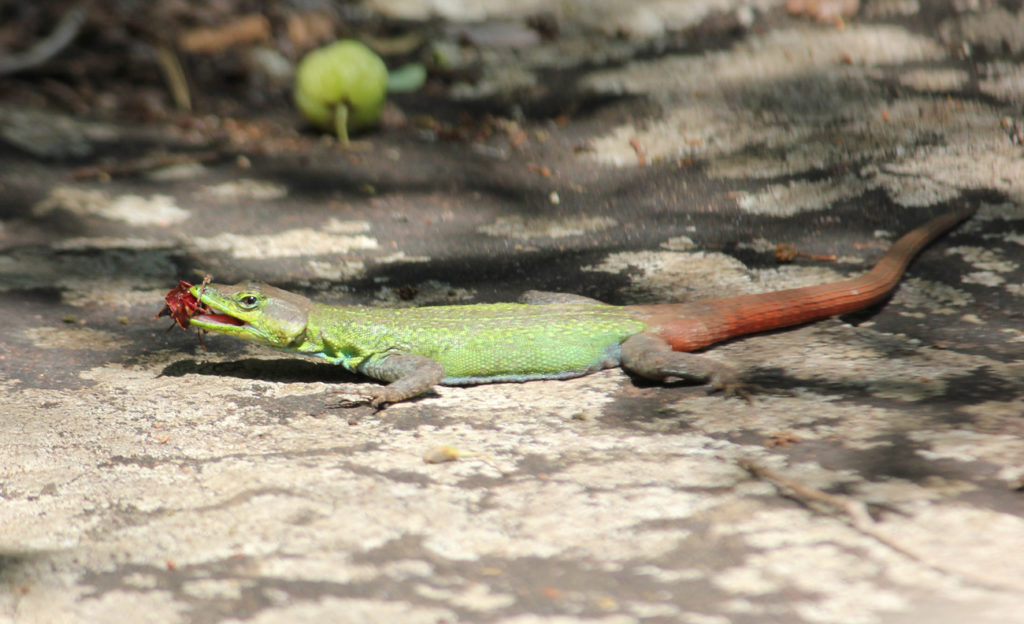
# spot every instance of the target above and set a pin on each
(145, 479)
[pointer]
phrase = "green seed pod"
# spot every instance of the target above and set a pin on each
(341, 87)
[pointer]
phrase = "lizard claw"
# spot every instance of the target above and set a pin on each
(349, 403)
(736, 389)
(744, 390)
(373, 398)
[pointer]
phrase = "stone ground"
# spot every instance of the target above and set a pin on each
(653, 153)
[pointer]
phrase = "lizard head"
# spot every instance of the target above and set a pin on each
(252, 311)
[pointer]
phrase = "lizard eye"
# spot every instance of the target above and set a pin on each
(249, 301)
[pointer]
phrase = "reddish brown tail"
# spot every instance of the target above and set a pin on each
(691, 326)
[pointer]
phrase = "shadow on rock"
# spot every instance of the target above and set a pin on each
(280, 370)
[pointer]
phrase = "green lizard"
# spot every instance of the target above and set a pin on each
(547, 336)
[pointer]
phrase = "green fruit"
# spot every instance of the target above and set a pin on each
(341, 87)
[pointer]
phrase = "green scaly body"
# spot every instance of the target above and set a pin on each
(476, 343)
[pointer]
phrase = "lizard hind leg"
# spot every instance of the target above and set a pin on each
(652, 357)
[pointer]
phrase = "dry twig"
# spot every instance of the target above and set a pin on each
(48, 47)
(857, 513)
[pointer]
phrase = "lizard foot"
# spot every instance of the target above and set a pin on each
(378, 398)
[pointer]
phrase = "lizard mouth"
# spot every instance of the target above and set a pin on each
(210, 314)
(219, 319)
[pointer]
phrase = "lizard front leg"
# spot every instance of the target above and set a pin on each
(651, 357)
(408, 376)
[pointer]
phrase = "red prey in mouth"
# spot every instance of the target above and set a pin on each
(182, 306)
